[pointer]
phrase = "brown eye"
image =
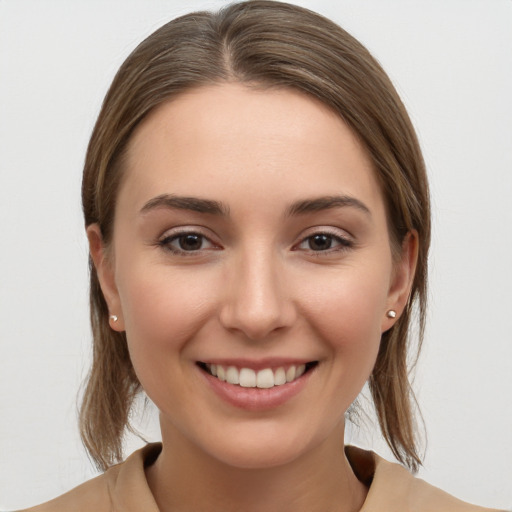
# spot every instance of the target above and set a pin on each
(190, 242)
(324, 242)
(320, 242)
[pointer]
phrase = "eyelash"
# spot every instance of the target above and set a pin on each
(165, 243)
(343, 243)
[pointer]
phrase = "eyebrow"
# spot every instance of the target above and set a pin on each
(171, 201)
(174, 202)
(325, 203)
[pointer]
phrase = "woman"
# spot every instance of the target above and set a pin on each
(258, 218)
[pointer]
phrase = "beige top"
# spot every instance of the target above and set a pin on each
(124, 488)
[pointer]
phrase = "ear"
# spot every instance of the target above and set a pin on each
(402, 279)
(105, 271)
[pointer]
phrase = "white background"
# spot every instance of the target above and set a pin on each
(452, 63)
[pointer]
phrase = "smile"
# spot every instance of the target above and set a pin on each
(264, 379)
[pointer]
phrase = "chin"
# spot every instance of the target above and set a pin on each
(257, 457)
(266, 446)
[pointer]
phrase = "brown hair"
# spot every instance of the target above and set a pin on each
(270, 44)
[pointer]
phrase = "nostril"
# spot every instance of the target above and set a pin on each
(255, 303)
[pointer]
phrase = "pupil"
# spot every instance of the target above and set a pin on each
(190, 242)
(320, 242)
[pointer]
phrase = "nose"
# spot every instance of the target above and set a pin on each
(256, 300)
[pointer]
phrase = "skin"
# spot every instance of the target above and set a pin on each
(255, 286)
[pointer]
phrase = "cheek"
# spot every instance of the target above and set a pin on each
(346, 309)
(347, 303)
(162, 310)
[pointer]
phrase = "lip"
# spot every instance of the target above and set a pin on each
(256, 399)
(260, 364)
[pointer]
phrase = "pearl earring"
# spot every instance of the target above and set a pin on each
(391, 313)
(113, 318)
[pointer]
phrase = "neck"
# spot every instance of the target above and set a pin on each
(187, 479)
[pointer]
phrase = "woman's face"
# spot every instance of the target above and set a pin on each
(250, 241)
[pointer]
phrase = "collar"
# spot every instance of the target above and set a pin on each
(391, 487)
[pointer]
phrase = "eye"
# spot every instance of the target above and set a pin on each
(320, 242)
(186, 242)
(324, 242)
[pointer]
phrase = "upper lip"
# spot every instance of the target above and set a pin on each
(259, 364)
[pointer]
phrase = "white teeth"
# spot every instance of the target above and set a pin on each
(221, 373)
(290, 373)
(265, 378)
(232, 375)
(279, 377)
(248, 378)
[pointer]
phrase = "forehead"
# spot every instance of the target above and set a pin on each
(273, 143)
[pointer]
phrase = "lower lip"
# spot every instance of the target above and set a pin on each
(256, 399)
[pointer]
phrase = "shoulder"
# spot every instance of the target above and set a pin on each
(392, 488)
(121, 487)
